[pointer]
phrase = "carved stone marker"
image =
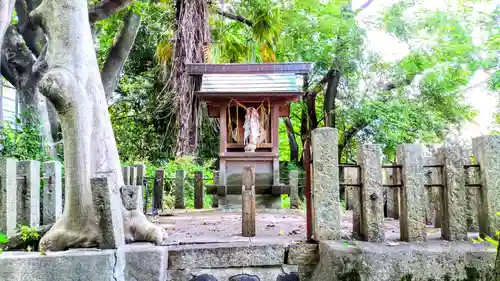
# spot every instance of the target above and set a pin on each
(412, 216)
(369, 158)
(325, 186)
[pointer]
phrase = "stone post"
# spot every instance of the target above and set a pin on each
(454, 195)
(487, 151)
(28, 193)
(325, 185)
(158, 191)
(369, 157)
(393, 193)
(472, 177)
(141, 174)
(215, 199)
(412, 214)
(179, 189)
(52, 192)
(132, 175)
(354, 199)
(432, 194)
(351, 177)
(294, 189)
(126, 175)
(199, 191)
(8, 196)
(108, 207)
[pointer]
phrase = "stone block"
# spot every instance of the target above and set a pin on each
(225, 255)
(142, 262)
(8, 196)
(272, 273)
(454, 195)
(28, 193)
(325, 185)
(108, 206)
(412, 214)
(74, 265)
(435, 260)
(52, 204)
(294, 192)
(487, 152)
(303, 254)
(369, 157)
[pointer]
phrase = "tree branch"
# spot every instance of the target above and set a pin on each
(119, 52)
(106, 8)
(364, 6)
(8, 73)
(239, 18)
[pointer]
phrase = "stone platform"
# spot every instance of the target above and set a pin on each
(210, 242)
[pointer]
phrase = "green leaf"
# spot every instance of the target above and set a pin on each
(3, 238)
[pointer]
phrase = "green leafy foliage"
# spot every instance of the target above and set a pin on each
(23, 141)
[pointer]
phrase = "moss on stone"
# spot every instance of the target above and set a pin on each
(351, 274)
(407, 277)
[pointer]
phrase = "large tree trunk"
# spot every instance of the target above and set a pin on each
(74, 86)
(33, 105)
(294, 147)
(331, 93)
(6, 8)
(192, 32)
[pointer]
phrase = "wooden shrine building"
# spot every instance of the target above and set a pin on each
(249, 99)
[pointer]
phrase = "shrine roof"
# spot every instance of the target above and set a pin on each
(255, 83)
(300, 68)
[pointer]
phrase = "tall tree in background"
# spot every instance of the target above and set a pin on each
(191, 36)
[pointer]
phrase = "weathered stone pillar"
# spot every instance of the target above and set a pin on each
(108, 207)
(52, 192)
(8, 196)
(325, 186)
(354, 196)
(141, 174)
(472, 177)
(412, 215)
(180, 176)
(487, 152)
(28, 193)
(454, 195)
(393, 193)
(126, 175)
(432, 193)
(351, 178)
(132, 175)
(369, 157)
(294, 189)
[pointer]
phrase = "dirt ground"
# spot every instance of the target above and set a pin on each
(280, 226)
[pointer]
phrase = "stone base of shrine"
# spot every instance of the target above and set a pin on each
(434, 260)
(262, 201)
(259, 261)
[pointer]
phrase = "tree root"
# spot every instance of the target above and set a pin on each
(66, 234)
(138, 228)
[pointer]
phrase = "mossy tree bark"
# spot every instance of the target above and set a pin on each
(73, 84)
